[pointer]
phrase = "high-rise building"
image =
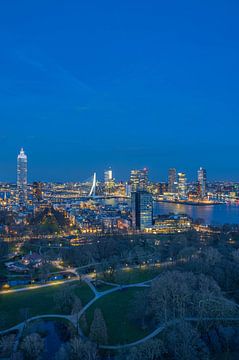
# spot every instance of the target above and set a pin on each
(202, 182)
(172, 180)
(108, 175)
(182, 185)
(142, 209)
(139, 179)
(109, 181)
(37, 191)
(22, 178)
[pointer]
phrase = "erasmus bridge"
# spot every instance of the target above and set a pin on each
(93, 187)
(93, 190)
(74, 192)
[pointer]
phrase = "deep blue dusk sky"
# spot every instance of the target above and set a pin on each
(89, 84)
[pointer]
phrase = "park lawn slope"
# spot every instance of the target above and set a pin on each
(135, 275)
(116, 308)
(37, 302)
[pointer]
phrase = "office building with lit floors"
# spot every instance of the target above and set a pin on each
(142, 209)
(202, 182)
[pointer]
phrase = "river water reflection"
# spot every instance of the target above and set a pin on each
(212, 215)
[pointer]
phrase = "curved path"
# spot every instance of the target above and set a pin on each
(159, 329)
(74, 318)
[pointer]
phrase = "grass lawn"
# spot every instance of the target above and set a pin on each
(102, 287)
(115, 308)
(131, 276)
(37, 301)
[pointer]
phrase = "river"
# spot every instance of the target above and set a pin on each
(212, 214)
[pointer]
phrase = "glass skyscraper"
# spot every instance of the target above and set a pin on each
(142, 209)
(22, 178)
(172, 180)
(182, 185)
(139, 179)
(202, 182)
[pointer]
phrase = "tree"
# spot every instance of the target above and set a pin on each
(6, 344)
(32, 346)
(64, 299)
(77, 349)
(98, 329)
(176, 295)
(150, 350)
(183, 343)
(76, 308)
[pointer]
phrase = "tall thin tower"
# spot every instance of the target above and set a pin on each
(202, 182)
(22, 178)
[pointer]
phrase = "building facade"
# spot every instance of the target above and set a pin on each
(172, 180)
(202, 182)
(139, 179)
(142, 209)
(108, 175)
(182, 185)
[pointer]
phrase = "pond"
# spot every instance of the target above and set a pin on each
(54, 332)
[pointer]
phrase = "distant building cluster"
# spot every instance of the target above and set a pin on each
(88, 207)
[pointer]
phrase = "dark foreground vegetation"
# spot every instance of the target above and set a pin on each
(192, 298)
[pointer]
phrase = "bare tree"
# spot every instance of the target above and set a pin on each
(6, 344)
(32, 346)
(151, 350)
(183, 343)
(77, 349)
(98, 329)
(76, 308)
(64, 299)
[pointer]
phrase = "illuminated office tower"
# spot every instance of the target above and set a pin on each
(108, 175)
(22, 178)
(142, 209)
(172, 180)
(202, 182)
(182, 185)
(109, 181)
(139, 179)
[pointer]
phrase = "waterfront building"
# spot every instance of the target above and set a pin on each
(139, 179)
(167, 224)
(142, 209)
(202, 182)
(22, 178)
(182, 185)
(172, 180)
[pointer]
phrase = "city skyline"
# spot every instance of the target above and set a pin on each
(107, 172)
(124, 85)
(119, 180)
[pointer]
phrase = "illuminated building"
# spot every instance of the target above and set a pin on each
(108, 175)
(22, 178)
(139, 179)
(37, 191)
(172, 180)
(109, 181)
(162, 188)
(166, 224)
(202, 182)
(182, 185)
(142, 209)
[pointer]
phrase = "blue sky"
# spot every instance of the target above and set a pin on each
(89, 84)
